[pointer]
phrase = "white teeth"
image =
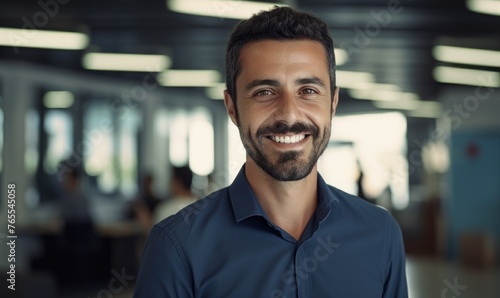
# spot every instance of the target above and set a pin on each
(288, 139)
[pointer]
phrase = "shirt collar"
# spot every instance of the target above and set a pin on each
(326, 199)
(245, 203)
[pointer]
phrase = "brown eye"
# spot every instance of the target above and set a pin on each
(263, 93)
(309, 91)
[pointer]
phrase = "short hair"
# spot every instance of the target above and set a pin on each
(279, 23)
(70, 167)
(184, 175)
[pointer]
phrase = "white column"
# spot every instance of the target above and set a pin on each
(150, 106)
(17, 98)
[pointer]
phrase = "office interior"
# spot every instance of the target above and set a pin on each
(133, 88)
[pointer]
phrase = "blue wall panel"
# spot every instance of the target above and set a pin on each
(474, 176)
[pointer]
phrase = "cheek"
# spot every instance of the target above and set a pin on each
(321, 116)
(254, 118)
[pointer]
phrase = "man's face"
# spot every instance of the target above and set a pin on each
(284, 104)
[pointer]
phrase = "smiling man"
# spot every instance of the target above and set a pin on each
(279, 230)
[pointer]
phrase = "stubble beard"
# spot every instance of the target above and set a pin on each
(289, 165)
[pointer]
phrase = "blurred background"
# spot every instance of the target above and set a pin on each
(112, 118)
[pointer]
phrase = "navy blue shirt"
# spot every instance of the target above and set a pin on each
(225, 246)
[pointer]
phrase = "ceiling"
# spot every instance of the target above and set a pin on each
(399, 53)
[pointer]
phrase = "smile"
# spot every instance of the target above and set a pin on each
(288, 139)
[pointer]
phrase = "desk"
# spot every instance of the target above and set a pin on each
(54, 227)
(119, 246)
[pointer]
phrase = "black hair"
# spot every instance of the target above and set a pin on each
(184, 175)
(70, 167)
(279, 23)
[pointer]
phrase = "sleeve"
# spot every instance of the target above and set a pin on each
(395, 283)
(163, 271)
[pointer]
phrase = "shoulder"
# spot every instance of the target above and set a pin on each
(354, 208)
(171, 207)
(374, 224)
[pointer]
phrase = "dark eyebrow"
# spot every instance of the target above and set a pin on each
(256, 83)
(313, 80)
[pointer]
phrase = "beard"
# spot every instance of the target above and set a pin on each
(290, 165)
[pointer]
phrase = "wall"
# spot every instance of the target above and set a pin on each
(472, 203)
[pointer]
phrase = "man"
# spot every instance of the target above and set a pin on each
(180, 189)
(279, 230)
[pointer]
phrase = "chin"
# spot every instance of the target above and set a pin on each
(289, 170)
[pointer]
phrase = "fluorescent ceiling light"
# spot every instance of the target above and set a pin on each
(398, 105)
(416, 108)
(427, 109)
(216, 91)
(384, 87)
(484, 6)
(189, 78)
(415, 114)
(58, 99)
(348, 79)
(463, 76)
(384, 95)
(467, 56)
(424, 114)
(126, 62)
(373, 86)
(220, 9)
(34, 38)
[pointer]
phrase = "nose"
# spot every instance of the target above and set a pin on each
(288, 109)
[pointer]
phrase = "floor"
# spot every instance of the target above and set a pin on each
(427, 278)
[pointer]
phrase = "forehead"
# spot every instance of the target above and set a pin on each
(283, 57)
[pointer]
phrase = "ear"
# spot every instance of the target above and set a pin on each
(335, 100)
(231, 110)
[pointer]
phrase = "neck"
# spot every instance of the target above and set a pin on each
(289, 204)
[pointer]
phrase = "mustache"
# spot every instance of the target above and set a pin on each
(281, 127)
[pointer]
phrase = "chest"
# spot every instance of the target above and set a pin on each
(323, 266)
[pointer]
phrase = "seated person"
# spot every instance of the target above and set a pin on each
(180, 188)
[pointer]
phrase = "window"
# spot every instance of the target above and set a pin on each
(31, 155)
(178, 136)
(378, 150)
(127, 134)
(236, 151)
(201, 143)
(110, 147)
(58, 126)
(1, 132)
